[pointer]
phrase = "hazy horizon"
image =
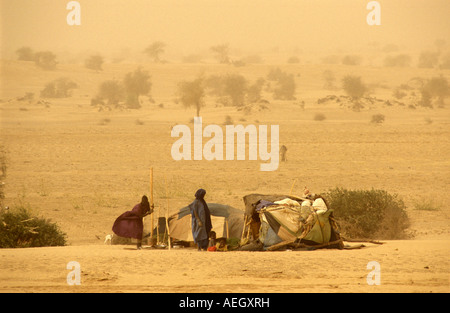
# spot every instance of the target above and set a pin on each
(192, 25)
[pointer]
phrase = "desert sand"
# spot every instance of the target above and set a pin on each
(405, 266)
(82, 168)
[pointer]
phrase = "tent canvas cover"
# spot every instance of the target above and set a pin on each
(279, 218)
(227, 222)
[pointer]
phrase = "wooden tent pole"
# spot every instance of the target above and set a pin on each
(157, 224)
(167, 214)
(228, 232)
(292, 187)
(151, 206)
(243, 229)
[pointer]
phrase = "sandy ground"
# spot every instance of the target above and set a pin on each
(82, 168)
(405, 266)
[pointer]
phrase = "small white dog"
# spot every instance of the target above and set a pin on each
(108, 239)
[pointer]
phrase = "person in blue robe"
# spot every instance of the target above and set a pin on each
(201, 220)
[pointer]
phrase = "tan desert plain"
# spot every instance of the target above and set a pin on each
(82, 167)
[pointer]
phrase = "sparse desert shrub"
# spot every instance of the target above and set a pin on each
(254, 90)
(399, 60)
(351, 60)
(275, 74)
(377, 118)
(428, 121)
(19, 229)
(228, 120)
(319, 117)
(110, 91)
(428, 59)
(45, 60)
(104, 122)
(238, 63)
(293, 60)
(354, 87)
(426, 205)
(235, 87)
(94, 62)
(59, 88)
(437, 87)
(371, 214)
(25, 54)
(398, 93)
(214, 85)
(285, 84)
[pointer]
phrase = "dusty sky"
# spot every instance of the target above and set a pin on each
(188, 25)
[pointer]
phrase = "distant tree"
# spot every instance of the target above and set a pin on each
(94, 62)
(285, 84)
(351, 60)
(221, 53)
(59, 88)
(437, 87)
(192, 93)
(354, 87)
(400, 60)
(254, 90)
(235, 87)
(155, 50)
(275, 74)
(214, 85)
(428, 59)
(25, 54)
(286, 88)
(45, 60)
(111, 91)
(136, 83)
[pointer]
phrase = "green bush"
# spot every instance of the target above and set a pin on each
(19, 229)
(369, 214)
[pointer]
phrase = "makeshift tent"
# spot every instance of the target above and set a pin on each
(227, 222)
(274, 219)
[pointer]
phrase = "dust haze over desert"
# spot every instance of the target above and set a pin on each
(82, 165)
